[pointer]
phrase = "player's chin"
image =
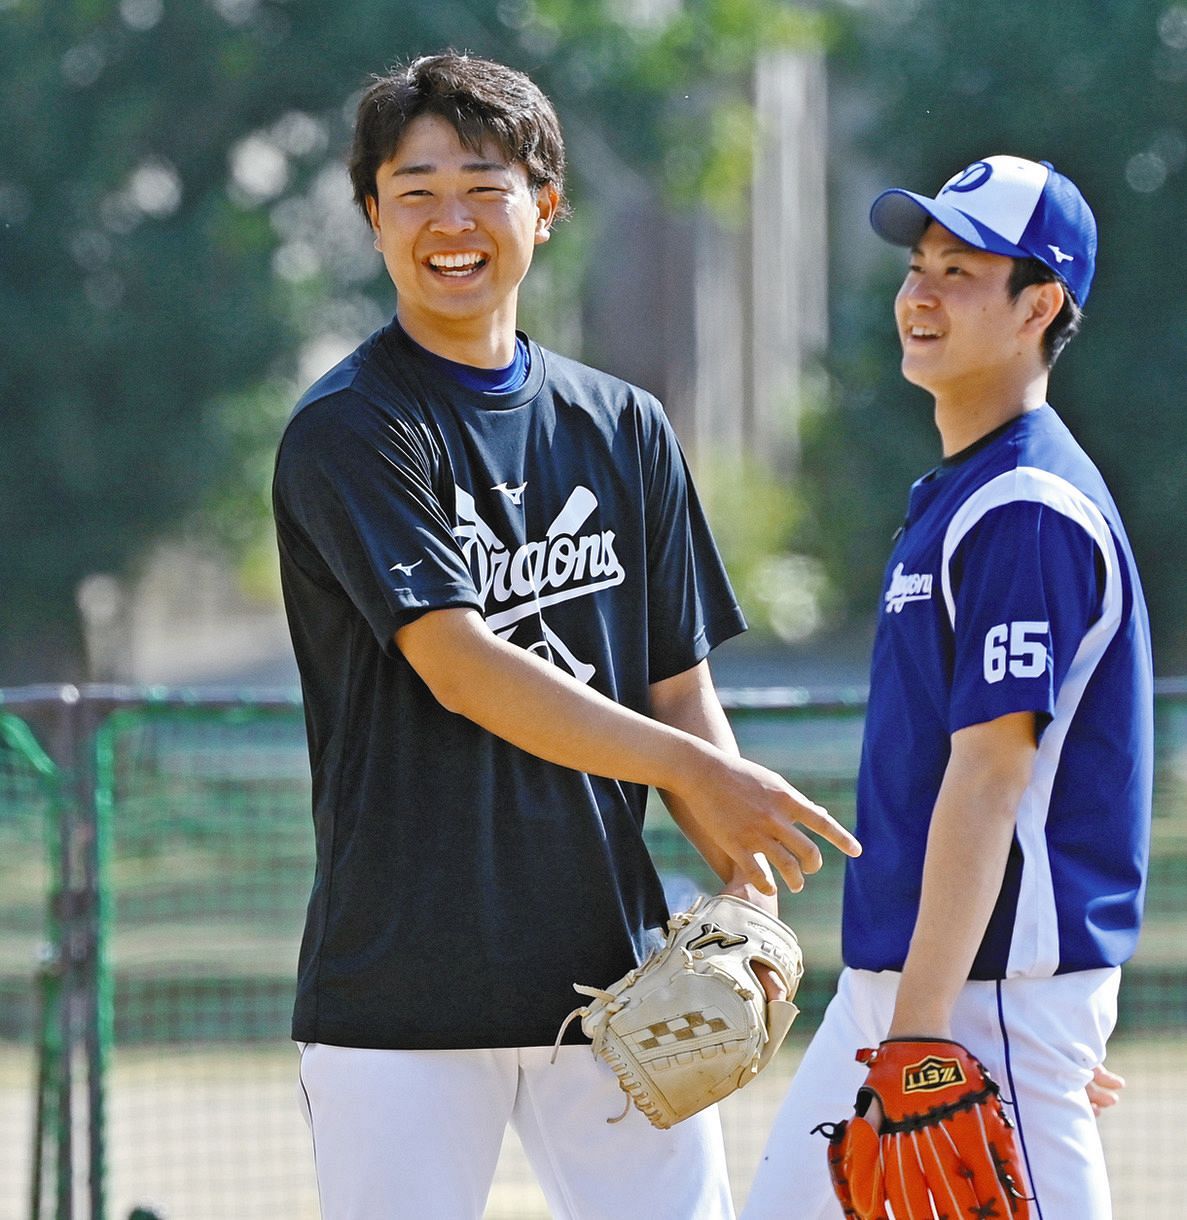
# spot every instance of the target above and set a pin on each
(917, 369)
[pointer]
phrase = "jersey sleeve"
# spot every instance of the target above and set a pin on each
(1026, 584)
(355, 501)
(691, 606)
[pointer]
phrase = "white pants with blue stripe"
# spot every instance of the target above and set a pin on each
(415, 1135)
(1040, 1039)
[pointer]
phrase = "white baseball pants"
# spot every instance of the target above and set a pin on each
(1040, 1039)
(408, 1135)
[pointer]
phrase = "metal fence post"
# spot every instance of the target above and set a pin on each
(88, 945)
(51, 716)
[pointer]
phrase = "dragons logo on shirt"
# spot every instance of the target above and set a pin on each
(518, 585)
(907, 587)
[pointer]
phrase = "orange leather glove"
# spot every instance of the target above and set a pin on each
(944, 1138)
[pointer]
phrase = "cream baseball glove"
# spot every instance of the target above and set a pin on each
(691, 1024)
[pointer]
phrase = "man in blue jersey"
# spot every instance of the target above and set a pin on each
(1005, 783)
(502, 592)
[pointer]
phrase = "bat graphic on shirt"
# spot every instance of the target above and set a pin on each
(574, 514)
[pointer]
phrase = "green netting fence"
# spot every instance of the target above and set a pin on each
(35, 1150)
(153, 879)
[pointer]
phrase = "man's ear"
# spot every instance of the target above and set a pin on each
(548, 200)
(373, 216)
(1044, 302)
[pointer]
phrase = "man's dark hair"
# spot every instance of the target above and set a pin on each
(483, 101)
(1066, 323)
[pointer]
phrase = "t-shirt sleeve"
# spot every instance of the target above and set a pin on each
(691, 606)
(354, 487)
(1027, 583)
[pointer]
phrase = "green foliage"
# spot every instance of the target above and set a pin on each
(155, 310)
(700, 66)
(173, 234)
(239, 507)
(1099, 89)
(758, 520)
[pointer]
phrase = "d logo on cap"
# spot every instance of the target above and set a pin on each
(970, 179)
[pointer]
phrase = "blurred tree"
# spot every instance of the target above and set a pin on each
(175, 227)
(1098, 87)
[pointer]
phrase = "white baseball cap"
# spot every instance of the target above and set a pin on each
(1006, 205)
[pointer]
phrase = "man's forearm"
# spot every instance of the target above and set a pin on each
(539, 708)
(968, 844)
(689, 702)
(961, 882)
(747, 812)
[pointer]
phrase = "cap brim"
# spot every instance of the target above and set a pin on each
(900, 217)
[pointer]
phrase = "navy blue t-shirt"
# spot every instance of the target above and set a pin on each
(463, 885)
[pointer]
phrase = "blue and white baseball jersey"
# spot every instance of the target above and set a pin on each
(463, 885)
(1011, 588)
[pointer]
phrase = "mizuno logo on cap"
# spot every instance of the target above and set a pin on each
(1060, 257)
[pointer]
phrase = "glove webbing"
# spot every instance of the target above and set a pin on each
(929, 1118)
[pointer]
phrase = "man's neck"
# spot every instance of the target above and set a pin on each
(482, 343)
(965, 415)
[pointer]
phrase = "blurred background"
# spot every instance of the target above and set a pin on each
(179, 257)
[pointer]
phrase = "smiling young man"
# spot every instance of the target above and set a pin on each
(1005, 783)
(502, 593)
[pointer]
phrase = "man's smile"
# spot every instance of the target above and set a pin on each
(457, 266)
